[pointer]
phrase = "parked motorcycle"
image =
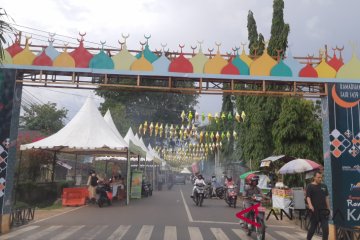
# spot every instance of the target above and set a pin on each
(219, 190)
(104, 194)
(231, 196)
(199, 194)
(260, 230)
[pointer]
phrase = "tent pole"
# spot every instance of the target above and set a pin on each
(53, 168)
(145, 169)
(138, 166)
(128, 178)
(75, 168)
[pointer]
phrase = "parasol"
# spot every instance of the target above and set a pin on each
(299, 166)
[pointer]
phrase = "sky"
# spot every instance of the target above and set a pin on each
(313, 23)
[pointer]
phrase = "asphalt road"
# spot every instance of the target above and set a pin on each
(168, 214)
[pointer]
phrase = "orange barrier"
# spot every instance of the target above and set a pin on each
(74, 196)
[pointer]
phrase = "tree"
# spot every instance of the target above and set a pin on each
(279, 30)
(45, 118)
(5, 28)
(298, 130)
(118, 113)
(256, 41)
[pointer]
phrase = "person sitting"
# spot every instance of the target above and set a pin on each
(198, 180)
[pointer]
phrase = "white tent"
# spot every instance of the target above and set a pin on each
(186, 171)
(86, 133)
(134, 146)
(110, 122)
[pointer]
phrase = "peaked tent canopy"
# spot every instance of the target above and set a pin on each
(108, 118)
(134, 146)
(86, 133)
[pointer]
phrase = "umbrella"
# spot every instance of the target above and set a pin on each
(244, 175)
(299, 166)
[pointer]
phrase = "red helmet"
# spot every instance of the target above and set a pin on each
(250, 177)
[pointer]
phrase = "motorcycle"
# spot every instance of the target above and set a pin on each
(104, 194)
(231, 196)
(259, 230)
(199, 194)
(219, 190)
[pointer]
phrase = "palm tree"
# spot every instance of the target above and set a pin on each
(5, 28)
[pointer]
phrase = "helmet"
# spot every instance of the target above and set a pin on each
(254, 179)
(200, 176)
(91, 172)
(229, 179)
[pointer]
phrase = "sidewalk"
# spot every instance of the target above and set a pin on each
(41, 214)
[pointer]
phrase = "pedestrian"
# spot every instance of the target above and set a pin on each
(317, 198)
(92, 183)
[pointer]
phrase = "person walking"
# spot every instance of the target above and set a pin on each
(317, 198)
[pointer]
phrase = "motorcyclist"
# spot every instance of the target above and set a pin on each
(250, 190)
(229, 181)
(213, 185)
(198, 180)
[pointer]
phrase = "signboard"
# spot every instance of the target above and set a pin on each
(344, 152)
(136, 182)
(9, 121)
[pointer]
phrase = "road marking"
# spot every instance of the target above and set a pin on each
(93, 233)
(213, 222)
(67, 233)
(303, 235)
(170, 233)
(241, 234)
(219, 234)
(38, 235)
(195, 233)
(186, 207)
(145, 232)
(59, 214)
(18, 232)
(286, 235)
(119, 232)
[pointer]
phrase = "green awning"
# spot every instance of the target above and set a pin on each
(244, 175)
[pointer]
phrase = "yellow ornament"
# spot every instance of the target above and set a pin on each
(190, 116)
(196, 116)
(217, 136)
(156, 129)
(235, 134)
(228, 135)
(140, 129)
(183, 115)
(237, 117)
(145, 127)
(161, 130)
(151, 128)
(243, 115)
(210, 117)
(223, 116)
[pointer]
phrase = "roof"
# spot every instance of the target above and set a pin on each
(87, 132)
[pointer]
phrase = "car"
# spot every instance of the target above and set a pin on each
(180, 179)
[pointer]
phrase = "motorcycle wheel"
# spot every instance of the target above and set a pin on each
(197, 201)
(201, 199)
(260, 232)
(235, 199)
(220, 193)
(100, 202)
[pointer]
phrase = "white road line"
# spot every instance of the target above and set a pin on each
(67, 233)
(93, 233)
(44, 219)
(119, 232)
(213, 222)
(38, 235)
(17, 232)
(170, 233)
(286, 235)
(186, 208)
(145, 232)
(219, 234)
(195, 233)
(241, 234)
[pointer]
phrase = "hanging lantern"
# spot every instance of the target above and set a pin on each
(210, 117)
(228, 135)
(237, 117)
(217, 118)
(166, 130)
(151, 128)
(201, 136)
(212, 137)
(223, 117)
(235, 134)
(161, 130)
(206, 136)
(243, 115)
(203, 117)
(140, 129)
(145, 127)
(190, 116)
(223, 135)
(183, 115)
(230, 116)
(172, 131)
(196, 116)
(217, 136)
(156, 129)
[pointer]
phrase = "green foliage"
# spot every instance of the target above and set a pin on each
(298, 130)
(118, 113)
(45, 118)
(256, 41)
(149, 106)
(5, 28)
(279, 30)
